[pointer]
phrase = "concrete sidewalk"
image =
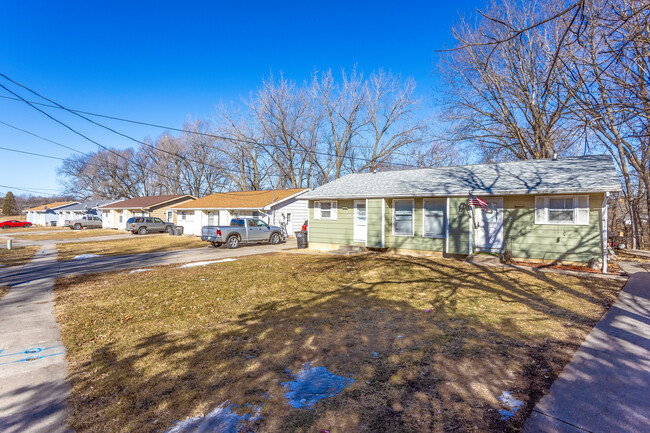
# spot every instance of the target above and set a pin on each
(33, 369)
(606, 386)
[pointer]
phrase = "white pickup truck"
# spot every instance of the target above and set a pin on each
(85, 222)
(240, 230)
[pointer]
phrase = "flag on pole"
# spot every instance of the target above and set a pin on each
(477, 201)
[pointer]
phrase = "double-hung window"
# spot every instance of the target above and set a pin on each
(325, 210)
(565, 210)
(403, 217)
(434, 217)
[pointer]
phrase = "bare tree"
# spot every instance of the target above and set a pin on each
(509, 99)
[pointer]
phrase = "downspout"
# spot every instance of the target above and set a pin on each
(471, 232)
(604, 231)
(383, 223)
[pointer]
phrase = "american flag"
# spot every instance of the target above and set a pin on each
(477, 201)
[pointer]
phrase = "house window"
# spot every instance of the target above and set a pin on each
(565, 210)
(256, 214)
(434, 217)
(183, 215)
(325, 210)
(403, 217)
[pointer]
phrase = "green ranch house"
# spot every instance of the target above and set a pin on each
(548, 210)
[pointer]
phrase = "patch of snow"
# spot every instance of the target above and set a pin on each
(140, 270)
(509, 400)
(222, 419)
(85, 256)
(313, 384)
(191, 265)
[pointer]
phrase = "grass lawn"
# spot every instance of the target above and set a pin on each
(17, 256)
(133, 245)
(71, 234)
(13, 230)
(149, 348)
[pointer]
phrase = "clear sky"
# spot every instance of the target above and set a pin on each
(169, 62)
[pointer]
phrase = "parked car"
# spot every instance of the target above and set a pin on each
(144, 225)
(85, 222)
(14, 223)
(240, 230)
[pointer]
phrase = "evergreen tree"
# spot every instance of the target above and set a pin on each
(9, 204)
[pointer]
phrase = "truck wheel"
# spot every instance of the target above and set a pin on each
(233, 242)
(275, 238)
(216, 244)
(142, 231)
(77, 226)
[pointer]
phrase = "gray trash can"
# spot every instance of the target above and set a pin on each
(301, 237)
(178, 230)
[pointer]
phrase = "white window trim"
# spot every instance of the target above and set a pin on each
(444, 215)
(412, 219)
(575, 198)
(333, 210)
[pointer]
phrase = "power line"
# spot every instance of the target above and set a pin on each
(38, 136)
(28, 190)
(80, 112)
(32, 153)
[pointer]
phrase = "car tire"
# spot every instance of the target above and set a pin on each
(275, 239)
(6, 226)
(142, 231)
(216, 244)
(77, 226)
(232, 242)
(28, 225)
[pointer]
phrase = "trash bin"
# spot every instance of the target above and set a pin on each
(178, 230)
(301, 237)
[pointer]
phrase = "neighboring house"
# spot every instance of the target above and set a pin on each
(540, 210)
(79, 210)
(46, 214)
(272, 206)
(116, 214)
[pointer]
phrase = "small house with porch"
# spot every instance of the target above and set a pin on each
(546, 210)
(46, 215)
(115, 215)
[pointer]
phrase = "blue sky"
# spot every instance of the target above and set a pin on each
(169, 62)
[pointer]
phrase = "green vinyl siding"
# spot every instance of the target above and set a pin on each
(577, 243)
(339, 231)
(415, 242)
(458, 227)
(374, 222)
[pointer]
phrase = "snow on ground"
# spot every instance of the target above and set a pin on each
(313, 384)
(191, 265)
(509, 400)
(222, 419)
(140, 270)
(85, 256)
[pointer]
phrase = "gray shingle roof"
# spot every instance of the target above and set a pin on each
(595, 173)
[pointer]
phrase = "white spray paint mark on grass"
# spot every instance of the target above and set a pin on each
(313, 384)
(191, 265)
(140, 270)
(222, 419)
(85, 256)
(509, 400)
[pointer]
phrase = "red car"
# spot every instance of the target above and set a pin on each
(14, 223)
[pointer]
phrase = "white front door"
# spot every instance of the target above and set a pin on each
(360, 221)
(489, 225)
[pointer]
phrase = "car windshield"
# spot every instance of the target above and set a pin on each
(158, 220)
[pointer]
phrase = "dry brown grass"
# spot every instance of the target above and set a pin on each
(149, 348)
(30, 229)
(13, 217)
(133, 245)
(17, 256)
(70, 234)
(3, 291)
(624, 256)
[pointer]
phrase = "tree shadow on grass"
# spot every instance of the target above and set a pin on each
(436, 370)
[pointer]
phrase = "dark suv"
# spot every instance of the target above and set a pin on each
(144, 225)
